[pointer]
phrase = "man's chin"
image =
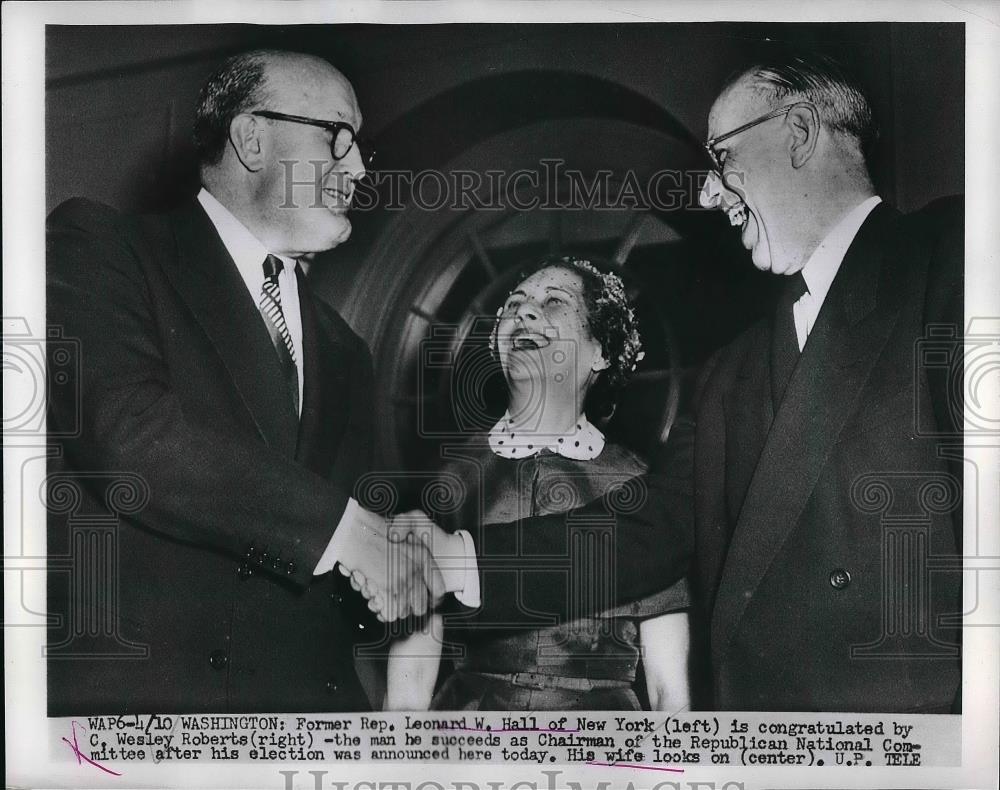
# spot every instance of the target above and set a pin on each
(318, 241)
(760, 253)
(761, 259)
(760, 250)
(339, 232)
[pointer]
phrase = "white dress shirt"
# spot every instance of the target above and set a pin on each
(249, 254)
(823, 266)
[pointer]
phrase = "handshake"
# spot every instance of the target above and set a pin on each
(402, 565)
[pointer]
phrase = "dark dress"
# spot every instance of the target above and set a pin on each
(582, 664)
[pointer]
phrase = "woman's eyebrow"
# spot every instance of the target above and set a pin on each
(557, 288)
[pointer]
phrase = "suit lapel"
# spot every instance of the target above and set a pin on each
(748, 415)
(326, 362)
(208, 281)
(823, 393)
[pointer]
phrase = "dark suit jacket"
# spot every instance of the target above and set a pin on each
(825, 532)
(188, 505)
(823, 529)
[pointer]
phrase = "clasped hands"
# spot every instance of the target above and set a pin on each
(402, 565)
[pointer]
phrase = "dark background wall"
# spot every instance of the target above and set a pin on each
(625, 97)
(120, 99)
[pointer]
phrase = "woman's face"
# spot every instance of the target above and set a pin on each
(543, 336)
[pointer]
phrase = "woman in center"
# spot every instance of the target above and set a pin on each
(565, 337)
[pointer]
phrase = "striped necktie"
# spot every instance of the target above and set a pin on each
(270, 308)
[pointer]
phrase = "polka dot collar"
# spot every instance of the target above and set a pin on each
(583, 443)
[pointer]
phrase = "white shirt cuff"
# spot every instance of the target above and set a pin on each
(333, 548)
(469, 594)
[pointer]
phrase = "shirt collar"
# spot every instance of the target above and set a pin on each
(825, 261)
(583, 443)
(243, 247)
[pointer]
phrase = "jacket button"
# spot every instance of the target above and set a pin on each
(218, 659)
(337, 599)
(332, 686)
(251, 551)
(244, 571)
(839, 578)
(290, 568)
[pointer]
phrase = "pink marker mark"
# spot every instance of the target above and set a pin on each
(80, 756)
(635, 765)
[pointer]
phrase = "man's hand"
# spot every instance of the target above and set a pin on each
(415, 528)
(448, 550)
(395, 577)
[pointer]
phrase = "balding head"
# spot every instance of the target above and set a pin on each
(788, 138)
(311, 86)
(276, 136)
(250, 80)
(840, 102)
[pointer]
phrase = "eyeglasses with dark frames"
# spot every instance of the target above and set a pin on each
(710, 144)
(343, 136)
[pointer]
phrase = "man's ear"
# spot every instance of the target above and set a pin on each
(246, 139)
(803, 120)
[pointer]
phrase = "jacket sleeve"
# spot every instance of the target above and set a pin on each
(205, 487)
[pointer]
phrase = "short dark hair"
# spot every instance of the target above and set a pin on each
(238, 85)
(610, 318)
(841, 103)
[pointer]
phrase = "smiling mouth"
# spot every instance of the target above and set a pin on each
(342, 200)
(527, 341)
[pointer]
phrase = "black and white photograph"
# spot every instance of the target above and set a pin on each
(502, 393)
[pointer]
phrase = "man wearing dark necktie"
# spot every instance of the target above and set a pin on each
(811, 452)
(830, 578)
(785, 347)
(235, 407)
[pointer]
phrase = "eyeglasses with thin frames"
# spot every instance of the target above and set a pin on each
(343, 136)
(711, 143)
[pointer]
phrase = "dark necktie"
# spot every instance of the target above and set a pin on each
(784, 342)
(274, 317)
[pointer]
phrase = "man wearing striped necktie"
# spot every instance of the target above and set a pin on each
(236, 406)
